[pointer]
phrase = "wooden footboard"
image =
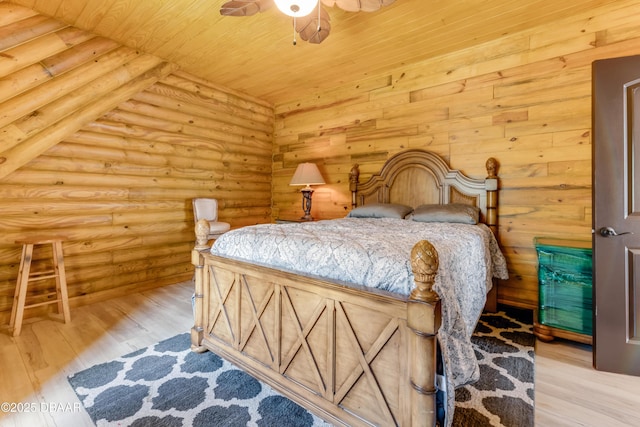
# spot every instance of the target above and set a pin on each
(352, 355)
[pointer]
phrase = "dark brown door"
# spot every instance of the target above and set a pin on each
(616, 214)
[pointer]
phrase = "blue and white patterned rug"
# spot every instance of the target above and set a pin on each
(504, 394)
(168, 385)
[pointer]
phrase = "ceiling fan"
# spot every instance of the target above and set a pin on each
(310, 19)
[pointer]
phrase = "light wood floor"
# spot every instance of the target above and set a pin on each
(34, 366)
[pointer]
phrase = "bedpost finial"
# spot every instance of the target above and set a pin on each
(202, 234)
(492, 167)
(354, 175)
(424, 264)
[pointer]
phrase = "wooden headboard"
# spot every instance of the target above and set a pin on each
(415, 177)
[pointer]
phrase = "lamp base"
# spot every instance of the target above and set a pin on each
(306, 203)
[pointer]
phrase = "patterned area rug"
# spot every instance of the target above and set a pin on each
(503, 396)
(168, 385)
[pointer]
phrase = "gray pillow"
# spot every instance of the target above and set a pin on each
(454, 212)
(380, 210)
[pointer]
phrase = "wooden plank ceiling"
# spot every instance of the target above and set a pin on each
(255, 54)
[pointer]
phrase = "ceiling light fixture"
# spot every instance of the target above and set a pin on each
(311, 27)
(296, 8)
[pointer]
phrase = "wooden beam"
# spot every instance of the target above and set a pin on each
(40, 142)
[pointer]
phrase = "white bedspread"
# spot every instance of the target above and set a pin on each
(375, 252)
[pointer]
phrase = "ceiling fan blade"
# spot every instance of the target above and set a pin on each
(358, 5)
(312, 30)
(244, 7)
(373, 5)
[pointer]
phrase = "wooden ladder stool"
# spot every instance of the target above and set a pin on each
(25, 276)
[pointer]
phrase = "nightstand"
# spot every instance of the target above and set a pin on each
(565, 290)
(290, 220)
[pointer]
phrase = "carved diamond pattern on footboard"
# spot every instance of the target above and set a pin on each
(364, 371)
(221, 321)
(346, 352)
(302, 325)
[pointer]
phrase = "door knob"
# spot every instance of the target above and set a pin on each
(610, 232)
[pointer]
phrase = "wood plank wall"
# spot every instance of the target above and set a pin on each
(524, 99)
(119, 183)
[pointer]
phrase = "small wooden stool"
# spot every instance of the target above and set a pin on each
(25, 276)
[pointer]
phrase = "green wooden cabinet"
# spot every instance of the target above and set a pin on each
(565, 288)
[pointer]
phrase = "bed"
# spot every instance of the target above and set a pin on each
(350, 353)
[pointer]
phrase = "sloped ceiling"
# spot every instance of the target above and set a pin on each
(255, 54)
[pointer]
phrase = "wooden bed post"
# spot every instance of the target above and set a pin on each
(354, 176)
(423, 319)
(491, 185)
(197, 331)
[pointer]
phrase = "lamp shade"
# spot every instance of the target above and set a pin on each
(307, 174)
(296, 8)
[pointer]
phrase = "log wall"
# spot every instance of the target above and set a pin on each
(107, 146)
(524, 99)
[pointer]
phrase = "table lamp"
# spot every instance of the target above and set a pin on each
(307, 174)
